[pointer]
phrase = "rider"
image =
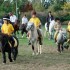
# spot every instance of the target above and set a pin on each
(13, 18)
(7, 29)
(34, 19)
(24, 24)
(57, 27)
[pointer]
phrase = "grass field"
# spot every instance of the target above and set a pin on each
(50, 59)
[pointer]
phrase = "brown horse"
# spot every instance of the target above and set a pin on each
(16, 27)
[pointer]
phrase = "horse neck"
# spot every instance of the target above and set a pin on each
(34, 32)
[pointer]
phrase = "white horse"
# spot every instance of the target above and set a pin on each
(46, 30)
(34, 38)
(51, 28)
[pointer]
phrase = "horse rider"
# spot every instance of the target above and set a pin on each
(49, 19)
(34, 19)
(7, 29)
(68, 30)
(57, 28)
(24, 24)
(13, 18)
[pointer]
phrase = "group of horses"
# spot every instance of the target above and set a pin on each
(62, 40)
(34, 36)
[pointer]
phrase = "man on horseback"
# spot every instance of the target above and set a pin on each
(24, 24)
(13, 18)
(7, 29)
(14, 21)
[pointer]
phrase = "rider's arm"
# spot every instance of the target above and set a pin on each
(2, 29)
(12, 29)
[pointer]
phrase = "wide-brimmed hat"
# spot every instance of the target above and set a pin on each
(6, 17)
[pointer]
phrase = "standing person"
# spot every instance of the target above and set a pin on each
(34, 19)
(24, 24)
(13, 18)
(7, 29)
(49, 19)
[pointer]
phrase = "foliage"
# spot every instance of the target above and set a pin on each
(38, 6)
(6, 6)
(66, 6)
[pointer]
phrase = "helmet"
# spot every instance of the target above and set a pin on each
(6, 17)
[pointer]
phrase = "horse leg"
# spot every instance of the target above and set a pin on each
(59, 48)
(33, 49)
(4, 57)
(40, 45)
(9, 56)
(22, 32)
(15, 53)
(62, 47)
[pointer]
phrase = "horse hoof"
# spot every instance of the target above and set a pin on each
(29, 43)
(33, 53)
(37, 53)
(3, 63)
(11, 60)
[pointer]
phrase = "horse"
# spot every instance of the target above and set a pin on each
(61, 39)
(16, 27)
(35, 37)
(23, 29)
(46, 29)
(51, 29)
(6, 46)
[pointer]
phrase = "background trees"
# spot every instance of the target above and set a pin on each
(59, 8)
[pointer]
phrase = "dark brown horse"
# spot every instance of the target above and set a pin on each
(16, 27)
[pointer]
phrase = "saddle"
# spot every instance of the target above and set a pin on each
(15, 42)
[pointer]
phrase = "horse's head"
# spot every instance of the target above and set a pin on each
(30, 26)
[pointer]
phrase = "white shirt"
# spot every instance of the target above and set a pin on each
(13, 18)
(24, 20)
